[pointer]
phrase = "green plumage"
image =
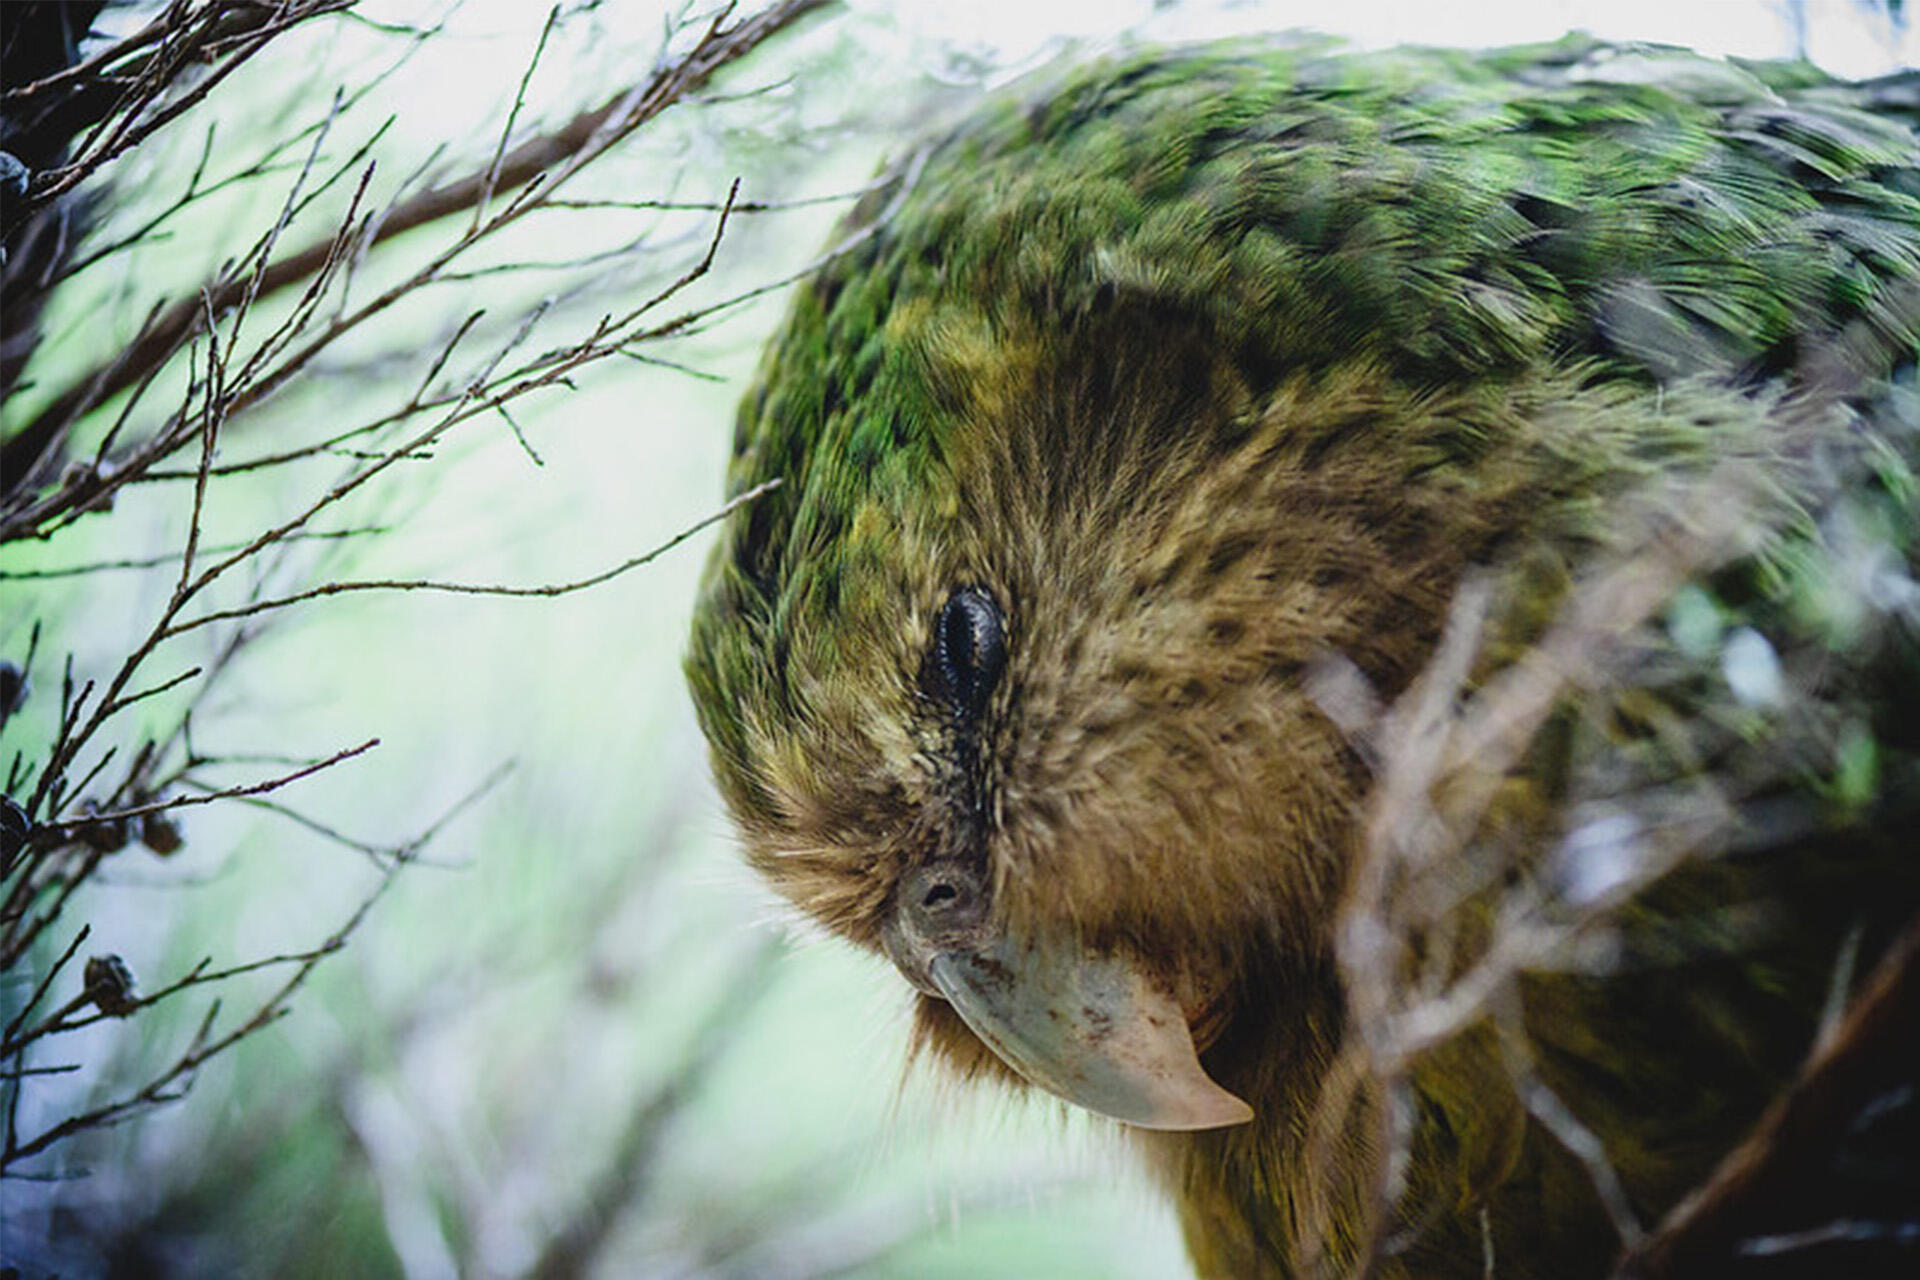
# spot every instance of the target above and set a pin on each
(1207, 364)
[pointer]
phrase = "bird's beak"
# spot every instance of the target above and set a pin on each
(1093, 1029)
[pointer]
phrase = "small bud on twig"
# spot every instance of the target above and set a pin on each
(160, 833)
(102, 835)
(110, 985)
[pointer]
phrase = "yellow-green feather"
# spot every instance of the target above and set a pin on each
(1443, 214)
(1208, 362)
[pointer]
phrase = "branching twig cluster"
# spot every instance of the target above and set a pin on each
(1453, 905)
(115, 763)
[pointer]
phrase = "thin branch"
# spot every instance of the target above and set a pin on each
(714, 206)
(491, 182)
(478, 589)
(173, 557)
(224, 793)
(1758, 1182)
(209, 429)
(134, 127)
(46, 982)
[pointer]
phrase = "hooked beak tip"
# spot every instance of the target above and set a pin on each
(1094, 1030)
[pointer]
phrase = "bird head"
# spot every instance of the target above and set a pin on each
(1005, 680)
(1116, 411)
(1007, 712)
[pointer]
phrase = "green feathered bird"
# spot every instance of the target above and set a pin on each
(1355, 612)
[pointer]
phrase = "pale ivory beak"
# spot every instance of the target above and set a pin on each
(1092, 1029)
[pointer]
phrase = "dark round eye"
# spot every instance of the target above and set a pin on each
(969, 651)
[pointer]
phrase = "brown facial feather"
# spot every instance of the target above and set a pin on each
(1152, 727)
(1151, 774)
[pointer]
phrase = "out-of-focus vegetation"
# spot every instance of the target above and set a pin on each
(521, 1015)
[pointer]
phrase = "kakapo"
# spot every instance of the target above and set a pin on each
(1160, 400)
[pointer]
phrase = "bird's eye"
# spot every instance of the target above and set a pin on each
(969, 651)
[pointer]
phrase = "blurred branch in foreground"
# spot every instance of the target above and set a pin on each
(1473, 920)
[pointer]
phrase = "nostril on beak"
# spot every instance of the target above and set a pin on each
(940, 906)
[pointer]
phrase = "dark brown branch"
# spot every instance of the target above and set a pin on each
(1757, 1185)
(225, 793)
(587, 133)
(478, 589)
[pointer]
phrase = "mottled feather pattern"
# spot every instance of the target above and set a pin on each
(1209, 365)
(1437, 211)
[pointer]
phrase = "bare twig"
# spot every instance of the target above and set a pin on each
(551, 157)
(1754, 1190)
(1443, 915)
(120, 760)
(172, 1083)
(172, 557)
(540, 591)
